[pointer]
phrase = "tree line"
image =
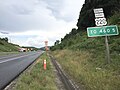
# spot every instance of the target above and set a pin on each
(4, 39)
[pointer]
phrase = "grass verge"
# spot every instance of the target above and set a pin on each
(8, 47)
(37, 78)
(90, 70)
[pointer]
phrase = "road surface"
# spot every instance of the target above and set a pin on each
(11, 66)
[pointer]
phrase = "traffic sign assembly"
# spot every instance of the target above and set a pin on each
(100, 20)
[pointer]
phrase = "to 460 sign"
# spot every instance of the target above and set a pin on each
(102, 31)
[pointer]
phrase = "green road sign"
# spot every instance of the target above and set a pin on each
(102, 31)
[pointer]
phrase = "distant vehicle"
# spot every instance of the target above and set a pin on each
(22, 50)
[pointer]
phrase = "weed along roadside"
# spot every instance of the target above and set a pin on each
(37, 78)
(90, 72)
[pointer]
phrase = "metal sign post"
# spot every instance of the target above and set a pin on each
(107, 49)
(100, 21)
(103, 31)
(46, 46)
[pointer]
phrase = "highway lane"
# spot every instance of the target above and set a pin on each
(11, 67)
(13, 55)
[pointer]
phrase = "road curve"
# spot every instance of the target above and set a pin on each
(11, 67)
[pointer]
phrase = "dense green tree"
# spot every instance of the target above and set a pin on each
(4, 39)
(73, 32)
(86, 17)
(57, 42)
(78, 40)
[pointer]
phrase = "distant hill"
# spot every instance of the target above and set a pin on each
(5, 46)
(43, 48)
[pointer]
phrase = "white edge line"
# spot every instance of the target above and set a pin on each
(12, 59)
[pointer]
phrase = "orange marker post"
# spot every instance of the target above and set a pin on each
(44, 62)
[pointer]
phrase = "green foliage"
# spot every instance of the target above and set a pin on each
(7, 47)
(89, 70)
(115, 19)
(78, 40)
(57, 42)
(84, 60)
(4, 39)
(86, 17)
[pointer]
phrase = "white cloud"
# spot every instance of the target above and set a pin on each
(39, 18)
(36, 38)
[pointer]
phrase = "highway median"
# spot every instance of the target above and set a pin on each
(36, 78)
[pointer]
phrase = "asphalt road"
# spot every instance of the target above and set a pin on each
(12, 66)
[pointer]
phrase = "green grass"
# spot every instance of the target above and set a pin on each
(7, 47)
(90, 70)
(37, 78)
(83, 58)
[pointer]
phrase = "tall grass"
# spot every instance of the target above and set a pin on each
(37, 78)
(7, 47)
(89, 70)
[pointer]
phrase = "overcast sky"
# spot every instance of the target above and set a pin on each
(31, 22)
